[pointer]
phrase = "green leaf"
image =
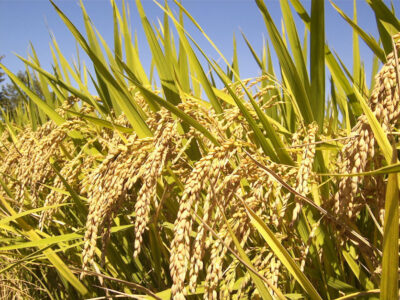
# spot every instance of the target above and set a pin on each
(388, 23)
(43, 242)
(368, 39)
(59, 239)
(340, 285)
(84, 95)
(119, 92)
(341, 81)
(258, 282)
(317, 61)
(117, 36)
(101, 122)
(28, 212)
(183, 65)
(392, 168)
(356, 50)
(63, 61)
(172, 108)
(235, 62)
(295, 45)
(293, 79)
(162, 64)
(281, 253)
(253, 52)
(357, 270)
(369, 293)
(42, 81)
(131, 49)
(301, 12)
(53, 115)
(61, 267)
(196, 66)
(83, 92)
(390, 261)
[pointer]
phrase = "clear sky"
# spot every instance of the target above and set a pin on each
(24, 21)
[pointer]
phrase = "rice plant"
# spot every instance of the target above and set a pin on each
(169, 186)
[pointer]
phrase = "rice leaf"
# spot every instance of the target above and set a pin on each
(264, 293)
(317, 61)
(197, 68)
(28, 212)
(388, 24)
(295, 44)
(51, 113)
(61, 267)
(368, 39)
(281, 253)
(288, 67)
(357, 271)
(123, 99)
(161, 63)
(390, 260)
(253, 52)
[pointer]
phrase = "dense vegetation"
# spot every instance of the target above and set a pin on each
(165, 185)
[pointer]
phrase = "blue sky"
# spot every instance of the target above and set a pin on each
(24, 21)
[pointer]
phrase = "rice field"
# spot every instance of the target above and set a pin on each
(272, 187)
